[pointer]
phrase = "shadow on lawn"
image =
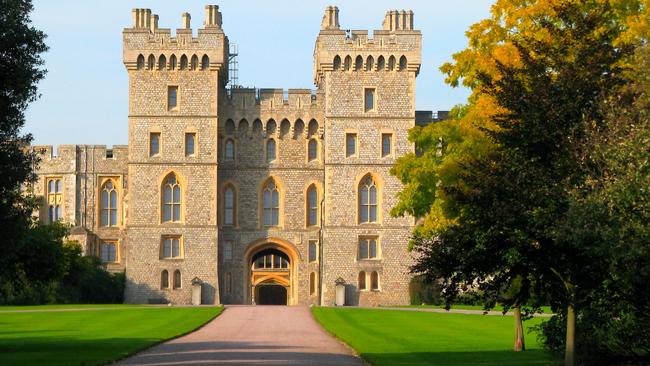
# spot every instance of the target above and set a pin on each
(475, 358)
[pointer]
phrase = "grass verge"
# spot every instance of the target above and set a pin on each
(92, 337)
(397, 338)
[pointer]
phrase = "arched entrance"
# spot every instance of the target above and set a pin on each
(271, 270)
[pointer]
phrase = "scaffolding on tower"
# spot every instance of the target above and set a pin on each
(233, 66)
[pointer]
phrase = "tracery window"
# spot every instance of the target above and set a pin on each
(271, 204)
(367, 200)
(171, 199)
(55, 199)
(270, 259)
(109, 204)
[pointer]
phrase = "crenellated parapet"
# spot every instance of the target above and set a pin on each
(148, 47)
(396, 47)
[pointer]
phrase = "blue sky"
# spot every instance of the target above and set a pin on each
(84, 98)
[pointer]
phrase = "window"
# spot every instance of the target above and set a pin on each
(154, 143)
(350, 144)
(228, 283)
(151, 62)
(172, 97)
(367, 200)
(171, 247)
(227, 250)
(374, 280)
(205, 62)
(386, 144)
(177, 279)
(270, 150)
(312, 150)
(312, 206)
(229, 206)
(164, 279)
(312, 283)
(313, 250)
(270, 259)
(362, 280)
(190, 141)
(230, 149)
(108, 251)
(369, 97)
(109, 204)
(271, 202)
(368, 248)
(55, 199)
(171, 199)
(140, 62)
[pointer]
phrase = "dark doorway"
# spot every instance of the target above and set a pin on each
(271, 295)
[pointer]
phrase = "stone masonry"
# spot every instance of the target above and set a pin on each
(178, 89)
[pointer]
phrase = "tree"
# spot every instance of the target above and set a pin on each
(20, 70)
(541, 67)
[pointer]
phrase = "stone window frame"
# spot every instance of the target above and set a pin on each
(191, 132)
(308, 146)
(181, 247)
(227, 283)
(55, 200)
(164, 280)
(117, 187)
(108, 242)
(375, 283)
(315, 243)
(155, 132)
(378, 253)
(362, 279)
(225, 149)
(379, 185)
(375, 100)
(266, 150)
(279, 185)
(181, 182)
(176, 107)
(313, 283)
(177, 280)
(228, 243)
(382, 133)
(235, 187)
(347, 132)
(319, 192)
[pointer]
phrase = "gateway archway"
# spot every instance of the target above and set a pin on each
(271, 267)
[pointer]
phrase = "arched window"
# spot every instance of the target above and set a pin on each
(374, 280)
(270, 150)
(171, 199)
(172, 62)
(391, 63)
(271, 203)
(367, 200)
(205, 62)
(381, 63)
(55, 199)
(177, 279)
(358, 63)
(162, 62)
(109, 204)
(312, 206)
(312, 150)
(229, 206)
(312, 283)
(362, 280)
(140, 62)
(402, 63)
(108, 251)
(151, 62)
(370, 63)
(270, 260)
(195, 63)
(337, 63)
(164, 279)
(348, 63)
(183, 62)
(229, 152)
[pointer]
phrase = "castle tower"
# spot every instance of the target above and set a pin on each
(368, 83)
(174, 86)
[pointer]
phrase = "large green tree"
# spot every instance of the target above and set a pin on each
(538, 71)
(21, 68)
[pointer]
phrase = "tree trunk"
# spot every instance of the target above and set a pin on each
(519, 330)
(569, 352)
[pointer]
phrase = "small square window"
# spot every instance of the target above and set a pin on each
(190, 142)
(368, 248)
(154, 143)
(369, 98)
(386, 144)
(350, 144)
(172, 97)
(172, 247)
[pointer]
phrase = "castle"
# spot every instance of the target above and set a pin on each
(253, 195)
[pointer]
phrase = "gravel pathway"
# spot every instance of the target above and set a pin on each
(253, 335)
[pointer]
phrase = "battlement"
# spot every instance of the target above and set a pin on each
(146, 46)
(271, 98)
(70, 152)
(395, 47)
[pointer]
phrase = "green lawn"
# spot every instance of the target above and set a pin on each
(69, 306)
(545, 309)
(394, 338)
(91, 337)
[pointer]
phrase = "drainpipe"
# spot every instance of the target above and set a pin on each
(320, 231)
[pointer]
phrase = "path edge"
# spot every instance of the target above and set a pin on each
(352, 350)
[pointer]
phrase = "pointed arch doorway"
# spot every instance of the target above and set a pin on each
(271, 266)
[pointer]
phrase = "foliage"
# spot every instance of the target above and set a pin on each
(414, 338)
(92, 337)
(423, 292)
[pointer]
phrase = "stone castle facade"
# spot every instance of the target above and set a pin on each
(257, 195)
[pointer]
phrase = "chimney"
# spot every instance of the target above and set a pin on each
(141, 18)
(154, 23)
(331, 18)
(185, 20)
(212, 17)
